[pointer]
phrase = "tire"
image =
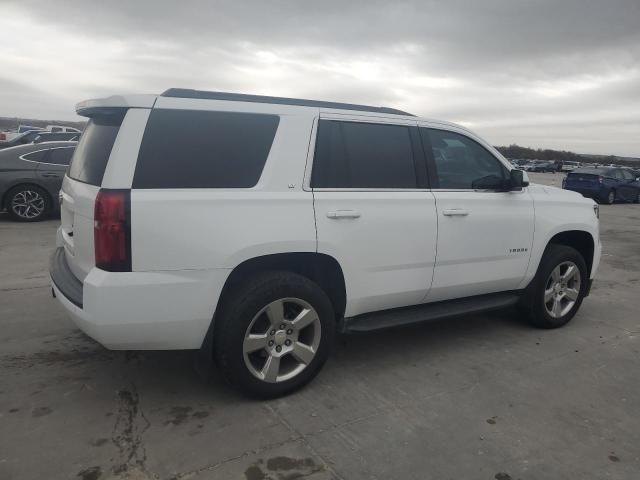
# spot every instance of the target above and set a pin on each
(611, 197)
(245, 311)
(28, 203)
(637, 197)
(541, 313)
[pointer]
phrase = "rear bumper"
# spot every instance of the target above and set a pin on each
(167, 310)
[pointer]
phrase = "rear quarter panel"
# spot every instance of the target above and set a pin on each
(211, 228)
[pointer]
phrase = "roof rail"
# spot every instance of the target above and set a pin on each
(240, 97)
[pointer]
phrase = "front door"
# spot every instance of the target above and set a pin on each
(374, 214)
(484, 234)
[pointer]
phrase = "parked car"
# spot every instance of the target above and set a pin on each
(605, 184)
(30, 178)
(61, 129)
(56, 137)
(271, 223)
(543, 166)
(21, 139)
(569, 166)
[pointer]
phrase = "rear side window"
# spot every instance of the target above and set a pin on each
(60, 156)
(363, 155)
(203, 149)
(38, 156)
(92, 153)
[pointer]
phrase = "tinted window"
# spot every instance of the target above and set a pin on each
(51, 137)
(363, 155)
(460, 162)
(627, 175)
(60, 156)
(92, 153)
(35, 156)
(195, 149)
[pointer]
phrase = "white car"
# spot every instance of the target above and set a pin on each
(257, 227)
(570, 166)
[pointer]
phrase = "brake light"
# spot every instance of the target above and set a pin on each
(112, 230)
(2, 136)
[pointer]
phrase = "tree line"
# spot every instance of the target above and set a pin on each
(516, 151)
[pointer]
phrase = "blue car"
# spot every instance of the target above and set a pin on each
(604, 184)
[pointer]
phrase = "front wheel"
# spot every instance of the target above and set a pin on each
(274, 334)
(556, 293)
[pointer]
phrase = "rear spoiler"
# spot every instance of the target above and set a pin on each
(114, 104)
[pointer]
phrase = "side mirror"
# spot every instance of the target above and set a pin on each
(518, 180)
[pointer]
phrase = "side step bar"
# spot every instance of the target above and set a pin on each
(428, 311)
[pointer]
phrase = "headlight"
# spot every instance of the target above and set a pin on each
(596, 210)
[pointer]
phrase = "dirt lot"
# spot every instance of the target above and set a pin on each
(482, 397)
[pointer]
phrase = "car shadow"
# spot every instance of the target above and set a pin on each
(194, 373)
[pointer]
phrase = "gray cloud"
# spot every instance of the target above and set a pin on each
(540, 73)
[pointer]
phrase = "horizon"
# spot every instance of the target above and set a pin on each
(559, 76)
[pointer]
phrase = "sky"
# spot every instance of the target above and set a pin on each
(561, 74)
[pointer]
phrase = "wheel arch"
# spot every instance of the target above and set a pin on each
(318, 267)
(581, 240)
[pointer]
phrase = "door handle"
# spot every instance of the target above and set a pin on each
(343, 214)
(459, 212)
(53, 175)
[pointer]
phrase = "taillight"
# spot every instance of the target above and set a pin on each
(3, 137)
(112, 230)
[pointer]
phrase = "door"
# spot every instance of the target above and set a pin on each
(484, 233)
(52, 168)
(628, 187)
(373, 212)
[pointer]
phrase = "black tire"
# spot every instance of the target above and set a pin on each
(44, 205)
(610, 198)
(533, 300)
(238, 310)
(637, 197)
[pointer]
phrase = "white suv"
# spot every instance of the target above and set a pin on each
(258, 227)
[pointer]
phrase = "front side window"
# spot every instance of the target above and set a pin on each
(462, 163)
(363, 155)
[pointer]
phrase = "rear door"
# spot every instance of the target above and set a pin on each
(484, 235)
(628, 188)
(373, 211)
(52, 168)
(80, 187)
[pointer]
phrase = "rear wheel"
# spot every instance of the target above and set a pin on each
(274, 334)
(28, 203)
(556, 293)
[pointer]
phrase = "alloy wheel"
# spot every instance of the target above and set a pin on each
(562, 289)
(281, 340)
(28, 204)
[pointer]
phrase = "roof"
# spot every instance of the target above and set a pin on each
(240, 97)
